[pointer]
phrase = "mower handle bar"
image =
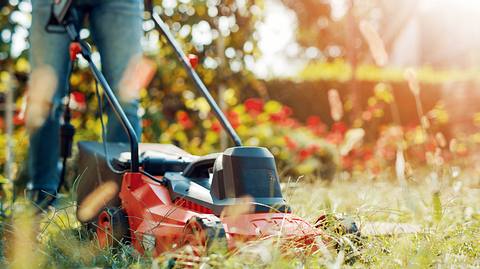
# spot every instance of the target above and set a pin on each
(112, 100)
(197, 80)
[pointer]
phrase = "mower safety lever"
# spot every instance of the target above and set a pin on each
(197, 80)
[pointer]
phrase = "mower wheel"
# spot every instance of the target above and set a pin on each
(338, 225)
(112, 228)
(344, 234)
(205, 235)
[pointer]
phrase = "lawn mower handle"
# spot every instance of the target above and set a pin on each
(196, 80)
(112, 100)
(62, 15)
(117, 109)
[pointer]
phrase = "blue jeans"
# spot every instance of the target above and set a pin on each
(116, 28)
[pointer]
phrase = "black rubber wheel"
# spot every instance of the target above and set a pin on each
(207, 234)
(121, 228)
(345, 233)
(338, 225)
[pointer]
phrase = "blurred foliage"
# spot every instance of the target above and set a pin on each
(221, 33)
(341, 71)
(322, 28)
(300, 149)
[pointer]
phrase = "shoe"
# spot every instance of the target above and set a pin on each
(41, 199)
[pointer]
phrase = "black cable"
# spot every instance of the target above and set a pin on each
(67, 132)
(104, 136)
(150, 176)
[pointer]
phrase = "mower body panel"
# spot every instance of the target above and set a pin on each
(236, 174)
(157, 221)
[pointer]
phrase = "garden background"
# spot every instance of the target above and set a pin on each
(341, 91)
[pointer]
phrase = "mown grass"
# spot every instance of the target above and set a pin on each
(447, 212)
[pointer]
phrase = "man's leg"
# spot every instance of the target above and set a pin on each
(117, 31)
(47, 51)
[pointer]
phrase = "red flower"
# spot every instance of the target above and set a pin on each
(77, 101)
(233, 118)
(287, 111)
(146, 122)
(184, 120)
(18, 119)
(367, 154)
(282, 117)
(289, 122)
(339, 127)
(315, 124)
(430, 146)
(78, 97)
(276, 117)
(292, 145)
(304, 154)
(216, 127)
(254, 106)
(313, 121)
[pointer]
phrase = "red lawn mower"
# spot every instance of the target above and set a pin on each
(169, 198)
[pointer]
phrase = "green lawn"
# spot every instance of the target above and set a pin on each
(447, 215)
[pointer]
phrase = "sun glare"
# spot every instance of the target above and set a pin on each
(464, 5)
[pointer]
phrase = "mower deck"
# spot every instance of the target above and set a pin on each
(164, 221)
(182, 195)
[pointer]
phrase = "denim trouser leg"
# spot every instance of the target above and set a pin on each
(47, 50)
(116, 26)
(117, 30)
